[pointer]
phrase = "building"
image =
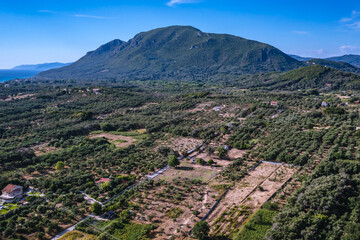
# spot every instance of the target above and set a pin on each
(11, 192)
(324, 104)
(102, 180)
(273, 103)
(96, 90)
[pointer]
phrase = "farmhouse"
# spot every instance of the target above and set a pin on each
(96, 90)
(11, 192)
(102, 180)
(273, 103)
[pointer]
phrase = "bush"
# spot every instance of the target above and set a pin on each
(201, 230)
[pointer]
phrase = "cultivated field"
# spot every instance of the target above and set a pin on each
(248, 195)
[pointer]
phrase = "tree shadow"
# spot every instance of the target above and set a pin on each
(184, 168)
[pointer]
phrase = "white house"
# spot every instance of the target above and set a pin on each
(11, 192)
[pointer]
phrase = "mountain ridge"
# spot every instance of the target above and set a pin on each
(40, 67)
(175, 52)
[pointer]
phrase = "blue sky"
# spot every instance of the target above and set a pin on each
(47, 31)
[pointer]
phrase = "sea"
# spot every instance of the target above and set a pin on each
(9, 74)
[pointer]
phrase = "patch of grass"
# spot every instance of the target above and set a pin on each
(133, 231)
(257, 226)
(34, 194)
(3, 211)
(8, 207)
(175, 212)
(221, 186)
(97, 132)
(77, 235)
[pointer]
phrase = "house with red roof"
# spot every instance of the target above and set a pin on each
(11, 192)
(102, 180)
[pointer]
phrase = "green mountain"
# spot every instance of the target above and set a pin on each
(343, 66)
(40, 67)
(176, 52)
(299, 58)
(314, 77)
(349, 58)
(310, 77)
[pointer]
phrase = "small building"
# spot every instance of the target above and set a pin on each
(356, 102)
(226, 147)
(102, 180)
(11, 192)
(273, 103)
(324, 104)
(218, 108)
(96, 90)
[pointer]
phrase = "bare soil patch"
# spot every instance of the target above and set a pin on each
(181, 144)
(119, 140)
(248, 195)
(236, 153)
(43, 148)
(158, 202)
(19, 96)
(146, 105)
(201, 107)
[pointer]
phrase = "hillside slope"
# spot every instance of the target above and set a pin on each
(343, 66)
(176, 52)
(40, 67)
(349, 58)
(310, 77)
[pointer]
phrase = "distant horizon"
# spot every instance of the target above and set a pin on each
(11, 68)
(50, 31)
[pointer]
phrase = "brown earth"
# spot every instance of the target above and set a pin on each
(113, 138)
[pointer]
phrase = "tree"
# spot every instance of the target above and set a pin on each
(210, 162)
(96, 208)
(201, 230)
(60, 165)
(173, 161)
(222, 152)
(200, 161)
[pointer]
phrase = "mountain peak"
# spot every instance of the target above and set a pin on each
(176, 52)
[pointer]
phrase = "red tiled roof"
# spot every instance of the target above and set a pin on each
(9, 188)
(102, 180)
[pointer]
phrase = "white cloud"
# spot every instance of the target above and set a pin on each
(172, 3)
(89, 16)
(354, 15)
(349, 49)
(354, 25)
(352, 22)
(300, 32)
(46, 11)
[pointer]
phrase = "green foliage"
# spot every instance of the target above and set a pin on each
(257, 226)
(222, 152)
(96, 208)
(83, 115)
(59, 165)
(334, 110)
(175, 212)
(173, 161)
(201, 230)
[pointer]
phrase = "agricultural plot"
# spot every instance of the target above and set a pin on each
(121, 139)
(248, 195)
(175, 206)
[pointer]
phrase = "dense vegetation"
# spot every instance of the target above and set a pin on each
(56, 140)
